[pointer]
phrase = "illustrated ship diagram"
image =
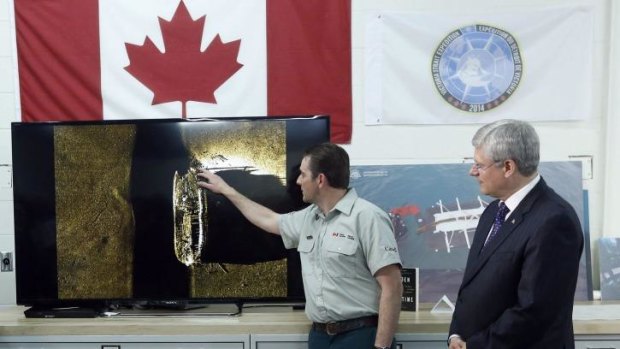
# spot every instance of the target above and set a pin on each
(454, 221)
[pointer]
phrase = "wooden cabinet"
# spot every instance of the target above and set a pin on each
(249, 341)
(264, 328)
(65, 345)
(125, 342)
(297, 341)
(279, 341)
(597, 344)
(601, 341)
(421, 341)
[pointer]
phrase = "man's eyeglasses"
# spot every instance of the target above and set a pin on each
(481, 168)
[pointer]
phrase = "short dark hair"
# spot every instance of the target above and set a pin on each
(330, 160)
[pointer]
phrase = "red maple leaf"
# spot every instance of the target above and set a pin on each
(183, 73)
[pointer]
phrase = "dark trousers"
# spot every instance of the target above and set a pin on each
(361, 338)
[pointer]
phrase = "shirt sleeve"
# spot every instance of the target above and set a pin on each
(291, 226)
(379, 243)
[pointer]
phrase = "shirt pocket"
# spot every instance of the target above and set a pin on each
(341, 257)
(305, 248)
(306, 244)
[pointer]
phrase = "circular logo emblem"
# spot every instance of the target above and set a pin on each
(476, 68)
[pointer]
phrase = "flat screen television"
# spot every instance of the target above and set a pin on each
(109, 213)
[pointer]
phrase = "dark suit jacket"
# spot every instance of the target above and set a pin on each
(518, 291)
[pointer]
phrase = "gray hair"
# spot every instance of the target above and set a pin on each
(510, 140)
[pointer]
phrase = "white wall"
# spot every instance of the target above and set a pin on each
(416, 144)
(7, 115)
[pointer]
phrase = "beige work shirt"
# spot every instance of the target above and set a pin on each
(340, 252)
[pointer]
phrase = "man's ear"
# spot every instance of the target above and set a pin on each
(509, 167)
(321, 180)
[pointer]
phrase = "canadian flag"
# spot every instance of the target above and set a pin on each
(118, 59)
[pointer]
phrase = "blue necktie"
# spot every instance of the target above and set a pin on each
(500, 217)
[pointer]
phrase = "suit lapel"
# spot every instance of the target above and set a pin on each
(483, 228)
(480, 255)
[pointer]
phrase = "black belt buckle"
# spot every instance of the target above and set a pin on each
(332, 328)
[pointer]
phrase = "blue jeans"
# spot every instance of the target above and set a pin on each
(361, 338)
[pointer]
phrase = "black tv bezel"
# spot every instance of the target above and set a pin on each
(169, 302)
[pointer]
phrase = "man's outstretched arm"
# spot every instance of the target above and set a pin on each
(256, 213)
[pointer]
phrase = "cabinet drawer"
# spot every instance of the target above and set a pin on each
(597, 344)
(279, 341)
(421, 345)
(122, 346)
(281, 345)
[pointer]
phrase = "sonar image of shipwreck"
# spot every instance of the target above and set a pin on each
(134, 223)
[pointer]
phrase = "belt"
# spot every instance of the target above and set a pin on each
(337, 327)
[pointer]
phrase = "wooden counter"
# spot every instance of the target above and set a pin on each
(259, 320)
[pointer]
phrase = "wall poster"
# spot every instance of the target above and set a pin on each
(435, 209)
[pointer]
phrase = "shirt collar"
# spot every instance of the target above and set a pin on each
(344, 205)
(515, 199)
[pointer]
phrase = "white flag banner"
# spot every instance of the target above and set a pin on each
(442, 68)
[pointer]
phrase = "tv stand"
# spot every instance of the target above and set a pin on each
(216, 309)
(65, 312)
(137, 310)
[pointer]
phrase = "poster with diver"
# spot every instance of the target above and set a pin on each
(435, 210)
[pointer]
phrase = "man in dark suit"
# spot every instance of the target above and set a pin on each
(521, 273)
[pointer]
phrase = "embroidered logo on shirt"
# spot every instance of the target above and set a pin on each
(342, 235)
(390, 249)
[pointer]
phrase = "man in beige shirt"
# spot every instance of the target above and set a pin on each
(350, 262)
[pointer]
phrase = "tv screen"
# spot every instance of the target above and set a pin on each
(109, 212)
